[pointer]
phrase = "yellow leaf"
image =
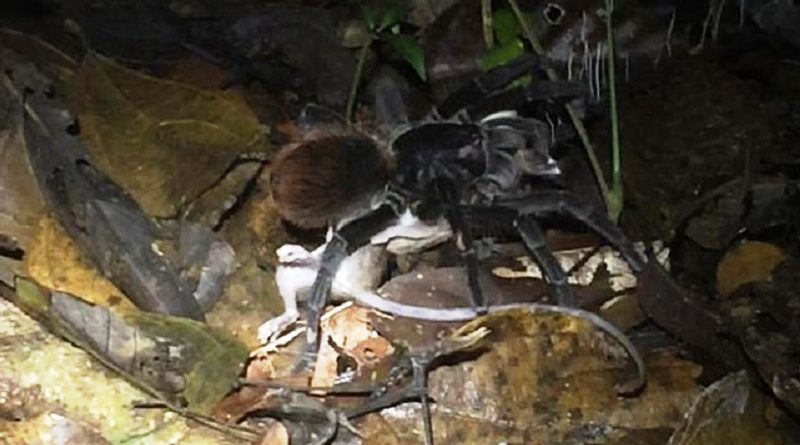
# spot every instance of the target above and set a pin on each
(162, 141)
(748, 262)
(55, 262)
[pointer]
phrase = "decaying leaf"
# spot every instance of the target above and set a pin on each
(54, 62)
(55, 262)
(678, 311)
(211, 205)
(745, 263)
(75, 387)
(730, 412)
(103, 220)
(254, 231)
(350, 332)
(347, 334)
(763, 317)
(179, 140)
(174, 358)
(541, 379)
(453, 43)
(21, 202)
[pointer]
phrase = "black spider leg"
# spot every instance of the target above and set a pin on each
(463, 234)
(346, 239)
(495, 79)
(535, 241)
(538, 91)
(546, 201)
(503, 219)
(420, 386)
(417, 390)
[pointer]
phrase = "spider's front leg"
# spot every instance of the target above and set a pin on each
(500, 219)
(466, 245)
(351, 236)
(546, 201)
(534, 239)
(464, 239)
(484, 85)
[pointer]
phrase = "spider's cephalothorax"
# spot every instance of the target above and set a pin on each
(466, 172)
(423, 152)
(472, 163)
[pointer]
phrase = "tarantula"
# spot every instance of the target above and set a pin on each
(468, 173)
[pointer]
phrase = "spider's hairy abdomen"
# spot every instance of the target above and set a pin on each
(327, 180)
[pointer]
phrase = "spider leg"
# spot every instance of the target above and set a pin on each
(479, 300)
(561, 201)
(464, 241)
(534, 239)
(346, 239)
(517, 97)
(491, 81)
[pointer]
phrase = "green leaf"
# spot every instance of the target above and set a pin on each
(392, 15)
(370, 16)
(410, 50)
(382, 17)
(506, 26)
(502, 54)
(32, 297)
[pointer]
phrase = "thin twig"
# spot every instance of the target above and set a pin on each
(316, 390)
(488, 26)
(351, 98)
(236, 431)
(614, 201)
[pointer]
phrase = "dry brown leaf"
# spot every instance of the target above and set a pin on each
(748, 262)
(347, 327)
(623, 311)
(196, 71)
(251, 296)
(542, 379)
(75, 389)
(164, 142)
(730, 412)
(54, 62)
(21, 203)
(351, 331)
(55, 262)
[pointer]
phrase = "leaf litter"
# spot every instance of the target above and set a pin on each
(531, 378)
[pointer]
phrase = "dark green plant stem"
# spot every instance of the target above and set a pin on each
(573, 114)
(488, 27)
(351, 98)
(615, 200)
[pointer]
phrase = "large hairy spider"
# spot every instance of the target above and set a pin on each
(471, 174)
